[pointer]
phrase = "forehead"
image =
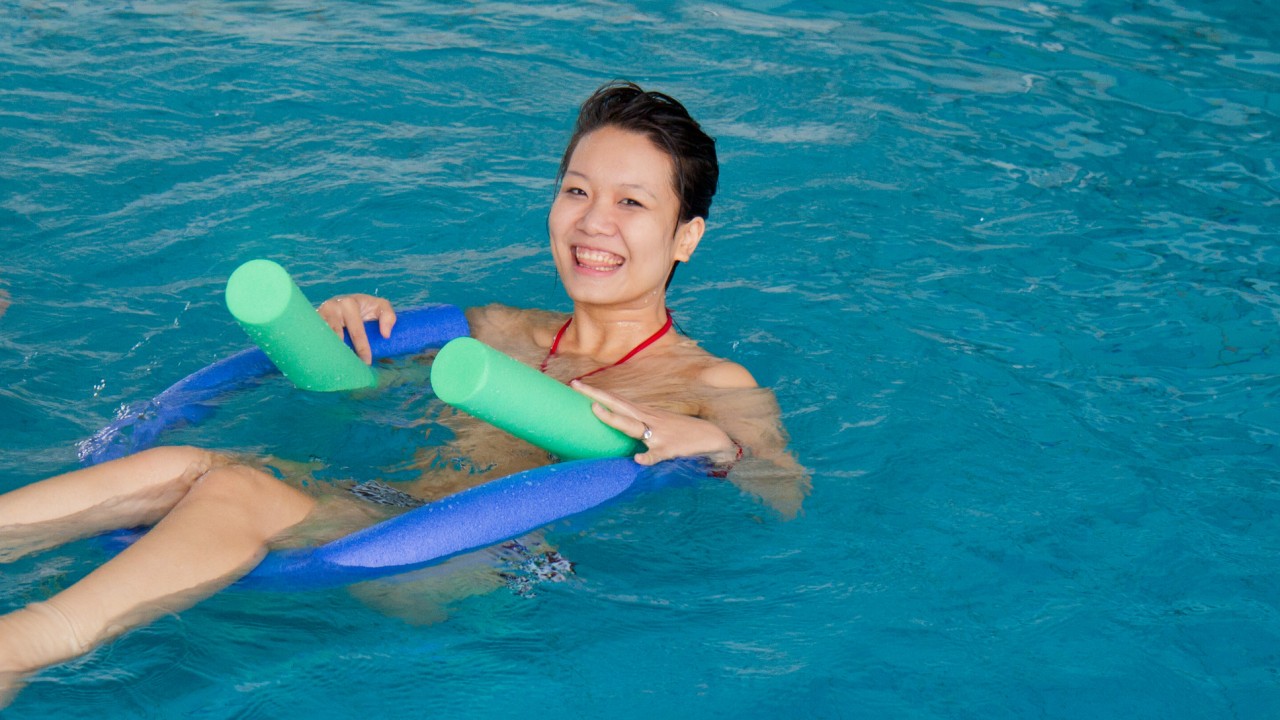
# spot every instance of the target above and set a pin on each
(614, 155)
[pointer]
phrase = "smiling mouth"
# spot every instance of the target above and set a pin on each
(599, 260)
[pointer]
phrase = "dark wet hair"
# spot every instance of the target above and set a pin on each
(668, 125)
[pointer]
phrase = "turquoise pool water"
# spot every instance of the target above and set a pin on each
(1011, 267)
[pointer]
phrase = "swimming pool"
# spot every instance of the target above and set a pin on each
(1011, 268)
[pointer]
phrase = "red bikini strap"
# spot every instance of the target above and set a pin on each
(555, 345)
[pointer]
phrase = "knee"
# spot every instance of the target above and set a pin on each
(236, 484)
(253, 496)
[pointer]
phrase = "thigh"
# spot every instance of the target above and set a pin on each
(336, 513)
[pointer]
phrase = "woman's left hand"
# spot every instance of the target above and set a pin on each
(669, 435)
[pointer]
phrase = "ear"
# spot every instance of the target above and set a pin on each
(688, 235)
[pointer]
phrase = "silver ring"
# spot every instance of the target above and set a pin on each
(648, 432)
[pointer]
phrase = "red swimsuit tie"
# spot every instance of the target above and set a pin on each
(555, 345)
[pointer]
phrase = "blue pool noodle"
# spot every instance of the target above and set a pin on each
(416, 330)
(476, 518)
(472, 519)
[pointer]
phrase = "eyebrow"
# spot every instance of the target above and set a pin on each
(629, 186)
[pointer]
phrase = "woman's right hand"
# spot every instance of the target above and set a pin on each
(350, 312)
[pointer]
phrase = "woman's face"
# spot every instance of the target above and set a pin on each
(614, 225)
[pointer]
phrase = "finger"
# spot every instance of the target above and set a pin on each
(386, 320)
(331, 317)
(604, 397)
(647, 458)
(631, 427)
(609, 417)
(355, 330)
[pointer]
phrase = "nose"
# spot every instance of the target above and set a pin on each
(598, 219)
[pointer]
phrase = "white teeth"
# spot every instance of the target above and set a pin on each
(597, 259)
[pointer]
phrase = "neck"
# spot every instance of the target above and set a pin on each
(607, 334)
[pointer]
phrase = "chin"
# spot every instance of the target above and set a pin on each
(588, 297)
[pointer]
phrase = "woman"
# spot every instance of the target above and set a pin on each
(635, 188)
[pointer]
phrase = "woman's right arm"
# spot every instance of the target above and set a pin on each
(350, 312)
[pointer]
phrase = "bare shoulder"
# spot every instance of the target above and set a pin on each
(485, 316)
(727, 374)
(709, 370)
(518, 332)
(496, 319)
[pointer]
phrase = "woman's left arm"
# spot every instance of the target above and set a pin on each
(737, 421)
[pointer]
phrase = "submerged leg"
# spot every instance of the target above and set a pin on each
(214, 534)
(130, 491)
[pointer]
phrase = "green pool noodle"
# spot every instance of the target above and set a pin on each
(279, 319)
(498, 389)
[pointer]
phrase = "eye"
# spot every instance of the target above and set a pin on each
(573, 190)
(629, 202)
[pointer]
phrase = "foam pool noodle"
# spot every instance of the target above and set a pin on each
(279, 319)
(484, 382)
